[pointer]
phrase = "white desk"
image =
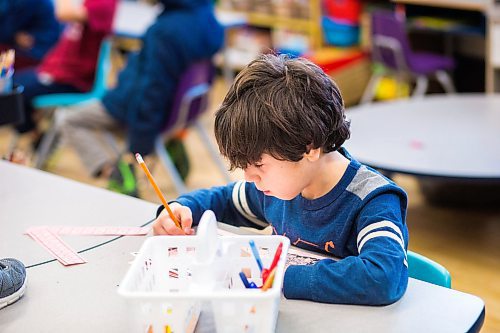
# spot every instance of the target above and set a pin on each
(133, 18)
(30, 197)
(454, 136)
(83, 298)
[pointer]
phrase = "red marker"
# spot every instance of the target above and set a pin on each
(277, 255)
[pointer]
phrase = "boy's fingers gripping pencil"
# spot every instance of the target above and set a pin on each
(157, 189)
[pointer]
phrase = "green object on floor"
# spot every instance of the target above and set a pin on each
(177, 151)
(123, 180)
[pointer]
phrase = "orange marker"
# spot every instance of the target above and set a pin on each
(144, 167)
(269, 281)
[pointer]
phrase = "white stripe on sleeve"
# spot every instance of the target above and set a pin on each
(377, 225)
(383, 233)
(240, 202)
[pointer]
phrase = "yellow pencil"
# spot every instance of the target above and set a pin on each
(157, 189)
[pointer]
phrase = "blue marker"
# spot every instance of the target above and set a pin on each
(256, 255)
(247, 284)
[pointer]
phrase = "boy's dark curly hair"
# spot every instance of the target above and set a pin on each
(283, 107)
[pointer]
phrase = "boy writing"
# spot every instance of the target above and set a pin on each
(283, 123)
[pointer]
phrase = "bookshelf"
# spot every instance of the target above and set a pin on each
(299, 16)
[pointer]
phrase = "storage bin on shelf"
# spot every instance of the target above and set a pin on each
(173, 277)
(346, 10)
(340, 33)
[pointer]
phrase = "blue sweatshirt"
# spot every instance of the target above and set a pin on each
(185, 32)
(361, 221)
(35, 17)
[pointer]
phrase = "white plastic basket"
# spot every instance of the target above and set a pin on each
(174, 277)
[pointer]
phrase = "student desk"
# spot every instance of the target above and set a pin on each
(30, 197)
(83, 298)
(455, 136)
(449, 141)
(133, 18)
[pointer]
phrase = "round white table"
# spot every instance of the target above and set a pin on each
(447, 140)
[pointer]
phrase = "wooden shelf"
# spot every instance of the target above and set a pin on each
(310, 26)
(478, 5)
(273, 21)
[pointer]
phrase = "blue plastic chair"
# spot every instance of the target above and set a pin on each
(424, 269)
(98, 89)
(67, 99)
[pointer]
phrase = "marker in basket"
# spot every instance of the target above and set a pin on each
(270, 279)
(144, 167)
(277, 255)
(256, 255)
(249, 285)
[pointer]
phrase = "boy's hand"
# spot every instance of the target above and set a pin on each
(164, 225)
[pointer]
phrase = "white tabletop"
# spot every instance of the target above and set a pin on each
(30, 197)
(133, 18)
(454, 136)
(83, 298)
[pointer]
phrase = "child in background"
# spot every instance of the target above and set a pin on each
(283, 123)
(185, 32)
(70, 65)
(30, 27)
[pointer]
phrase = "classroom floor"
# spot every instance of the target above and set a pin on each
(466, 242)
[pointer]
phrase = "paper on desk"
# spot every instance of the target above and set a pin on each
(296, 256)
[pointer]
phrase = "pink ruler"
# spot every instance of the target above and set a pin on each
(47, 236)
(56, 246)
(99, 231)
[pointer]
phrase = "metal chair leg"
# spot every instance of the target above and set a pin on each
(421, 88)
(13, 143)
(370, 89)
(214, 153)
(446, 82)
(48, 140)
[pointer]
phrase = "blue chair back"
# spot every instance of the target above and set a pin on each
(98, 90)
(424, 269)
